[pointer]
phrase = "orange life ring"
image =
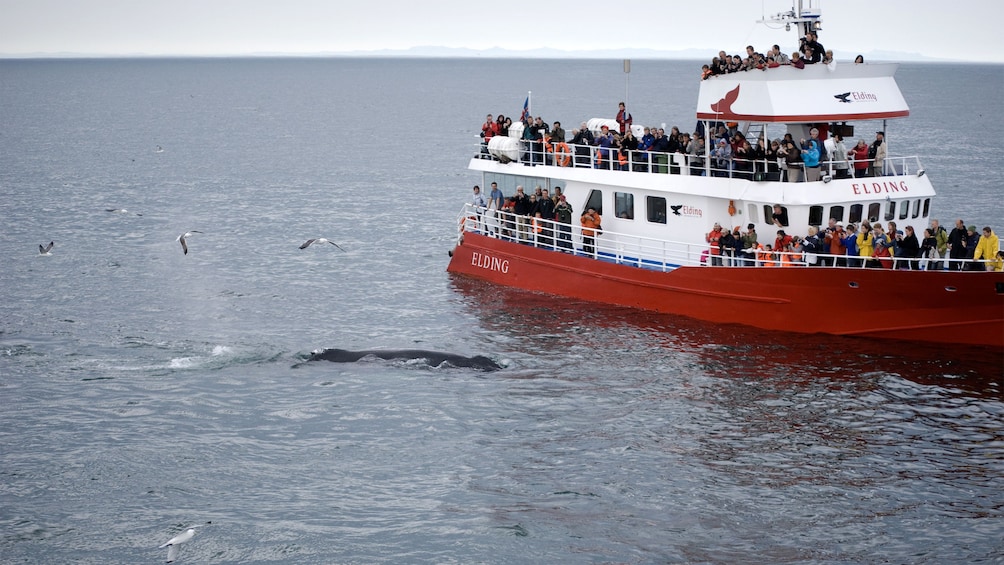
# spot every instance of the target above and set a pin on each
(732, 207)
(562, 155)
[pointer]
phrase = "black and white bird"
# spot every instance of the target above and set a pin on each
(119, 211)
(46, 249)
(173, 543)
(310, 242)
(183, 240)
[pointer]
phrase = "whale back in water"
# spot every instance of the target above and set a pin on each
(432, 358)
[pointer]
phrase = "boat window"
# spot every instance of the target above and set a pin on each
(837, 213)
(927, 207)
(890, 211)
(623, 205)
(873, 212)
(855, 214)
(595, 201)
(655, 209)
(768, 214)
(916, 208)
(752, 213)
(815, 215)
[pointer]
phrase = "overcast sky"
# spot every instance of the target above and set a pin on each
(965, 30)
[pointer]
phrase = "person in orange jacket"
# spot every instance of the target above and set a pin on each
(712, 238)
(592, 225)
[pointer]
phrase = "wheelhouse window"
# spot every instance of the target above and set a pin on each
(874, 212)
(624, 205)
(655, 209)
(815, 215)
(855, 213)
(837, 213)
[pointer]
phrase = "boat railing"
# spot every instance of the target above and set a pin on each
(666, 255)
(533, 153)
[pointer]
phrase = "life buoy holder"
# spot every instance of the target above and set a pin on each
(562, 155)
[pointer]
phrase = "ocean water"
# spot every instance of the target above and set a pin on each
(144, 390)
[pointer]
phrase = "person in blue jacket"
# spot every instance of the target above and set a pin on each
(810, 158)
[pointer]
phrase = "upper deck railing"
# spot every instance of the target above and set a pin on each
(659, 254)
(533, 153)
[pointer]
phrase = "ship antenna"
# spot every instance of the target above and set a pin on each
(805, 14)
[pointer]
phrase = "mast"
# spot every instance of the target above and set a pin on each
(805, 15)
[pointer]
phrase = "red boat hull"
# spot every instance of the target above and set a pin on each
(930, 306)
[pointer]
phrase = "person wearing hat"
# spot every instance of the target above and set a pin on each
(750, 245)
(715, 251)
(877, 153)
(972, 242)
(563, 217)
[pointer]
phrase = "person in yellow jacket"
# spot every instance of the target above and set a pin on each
(987, 248)
(865, 242)
(998, 263)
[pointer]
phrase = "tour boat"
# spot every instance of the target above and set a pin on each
(652, 251)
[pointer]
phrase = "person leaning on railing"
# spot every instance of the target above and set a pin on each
(987, 249)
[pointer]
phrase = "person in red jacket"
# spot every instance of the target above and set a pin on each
(623, 118)
(712, 238)
(860, 156)
(782, 241)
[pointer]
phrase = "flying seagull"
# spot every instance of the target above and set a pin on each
(319, 240)
(46, 250)
(173, 543)
(181, 238)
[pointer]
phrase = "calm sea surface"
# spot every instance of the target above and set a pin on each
(143, 390)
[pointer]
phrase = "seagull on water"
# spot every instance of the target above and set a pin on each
(119, 211)
(310, 242)
(181, 238)
(46, 250)
(173, 543)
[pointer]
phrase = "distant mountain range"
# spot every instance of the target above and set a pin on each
(495, 52)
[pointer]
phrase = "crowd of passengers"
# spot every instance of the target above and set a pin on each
(869, 244)
(732, 153)
(809, 52)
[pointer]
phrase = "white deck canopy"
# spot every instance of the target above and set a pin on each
(814, 94)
